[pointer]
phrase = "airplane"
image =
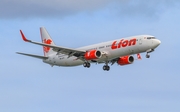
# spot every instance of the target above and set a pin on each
(118, 51)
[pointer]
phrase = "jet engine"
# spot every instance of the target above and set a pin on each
(125, 60)
(93, 54)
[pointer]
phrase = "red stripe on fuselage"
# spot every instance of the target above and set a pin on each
(123, 43)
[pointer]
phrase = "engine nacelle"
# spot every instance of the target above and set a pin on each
(93, 54)
(125, 60)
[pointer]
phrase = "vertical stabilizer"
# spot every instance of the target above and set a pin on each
(47, 40)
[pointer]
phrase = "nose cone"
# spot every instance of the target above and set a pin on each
(157, 42)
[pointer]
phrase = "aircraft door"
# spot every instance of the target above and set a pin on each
(140, 41)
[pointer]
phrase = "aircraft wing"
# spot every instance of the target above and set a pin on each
(58, 49)
(32, 55)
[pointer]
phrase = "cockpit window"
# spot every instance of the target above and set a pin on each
(151, 38)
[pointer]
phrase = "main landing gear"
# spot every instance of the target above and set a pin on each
(86, 64)
(106, 67)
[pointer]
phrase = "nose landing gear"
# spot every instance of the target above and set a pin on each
(149, 51)
(147, 55)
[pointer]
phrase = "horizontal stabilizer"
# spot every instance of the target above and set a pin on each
(32, 55)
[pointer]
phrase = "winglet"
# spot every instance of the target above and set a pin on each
(23, 37)
(139, 56)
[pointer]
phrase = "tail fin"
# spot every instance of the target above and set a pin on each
(47, 40)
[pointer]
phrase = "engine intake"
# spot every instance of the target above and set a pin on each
(93, 54)
(125, 60)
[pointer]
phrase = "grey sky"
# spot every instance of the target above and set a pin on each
(60, 8)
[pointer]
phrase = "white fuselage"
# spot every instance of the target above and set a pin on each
(111, 50)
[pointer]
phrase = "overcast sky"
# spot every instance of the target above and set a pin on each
(149, 85)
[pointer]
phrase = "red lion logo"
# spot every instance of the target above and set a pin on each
(46, 49)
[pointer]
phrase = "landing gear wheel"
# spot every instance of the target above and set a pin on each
(106, 68)
(86, 64)
(147, 56)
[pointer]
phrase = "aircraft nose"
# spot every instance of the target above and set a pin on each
(157, 42)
